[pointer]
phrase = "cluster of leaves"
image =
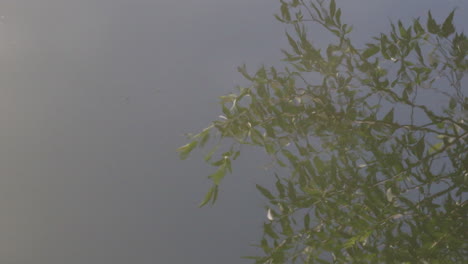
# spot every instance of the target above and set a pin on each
(375, 171)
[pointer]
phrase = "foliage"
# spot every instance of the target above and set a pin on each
(370, 143)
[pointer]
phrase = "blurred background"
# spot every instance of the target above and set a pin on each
(96, 95)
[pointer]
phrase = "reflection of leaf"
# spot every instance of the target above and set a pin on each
(285, 12)
(265, 192)
(204, 136)
(293, 44)
(436, 147)
(256, 136)
(319, 164)
(432, 26)
(417, 27)
(447, 27)
(286, 226)
(402, 30)
(418, 51)
(269, 231)
(313, 192)
(307, 221)
(291, 191)
(210, 154)
(373, 49)
(218, 175)
(185, 150)
(338, 16)
(388, 117)
(209, 195)
(280, 188)
(242, 69)
(362, 238)
(452, 103)
(419, 148)
(332, 8)
(284, 141)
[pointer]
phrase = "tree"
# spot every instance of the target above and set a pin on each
(368, 169)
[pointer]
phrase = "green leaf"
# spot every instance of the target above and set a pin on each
(307, 221)
(285, 12)
(293, 44)
(242, 69)
(280, 188)
(209, 195)
(389, 116)
(236, 155)
(332, 8)
(185, 150)
(279, 18)
(350, 242)
(204, 137)
(436, 147)
(215, 195)
(316, 193)
(452, 103)
(292, 159)
(418, 51)
(286, 226)
(432, 26)
(402, 30)
(447, 27)
(256, 136)
(338, 16)
(319, 164)
(227, 165)
(218, 175)
(269, 148)
(284, 141)
(228, 98)
(261, 73)
(359, 238)
(265, 192)
(210, 154)
(373, 49)
(291, 191)
(316, 10)
(269, 231)
(264, 245)
(418, 29)
(419, 148)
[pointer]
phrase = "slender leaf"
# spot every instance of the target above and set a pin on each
(432, 26)
(185, 150)
(447, 27)
(265, 192)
